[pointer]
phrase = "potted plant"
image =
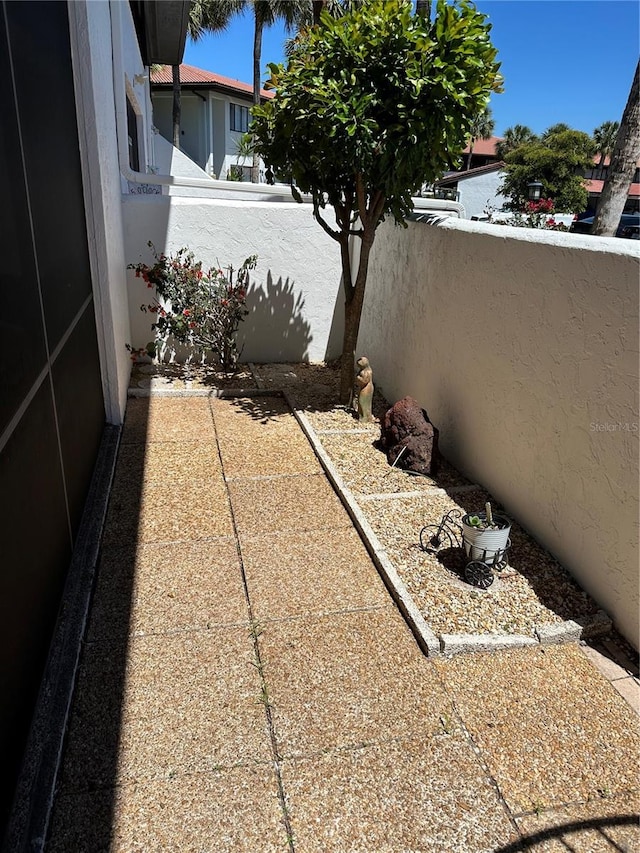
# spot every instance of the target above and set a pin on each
(485, 536)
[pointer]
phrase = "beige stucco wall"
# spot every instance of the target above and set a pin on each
(523, 348)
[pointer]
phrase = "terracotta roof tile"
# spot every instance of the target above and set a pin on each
(596, 187)
(484, 147)
(189, 74)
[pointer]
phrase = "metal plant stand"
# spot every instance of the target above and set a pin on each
(449, 533)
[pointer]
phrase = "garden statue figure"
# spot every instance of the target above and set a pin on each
(364, 386)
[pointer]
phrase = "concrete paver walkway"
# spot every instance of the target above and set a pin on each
(247, 683)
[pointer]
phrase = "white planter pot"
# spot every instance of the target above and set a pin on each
(486, 545)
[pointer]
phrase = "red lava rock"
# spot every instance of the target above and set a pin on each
(407, 425)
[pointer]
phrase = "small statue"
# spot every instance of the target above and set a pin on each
(364, 386)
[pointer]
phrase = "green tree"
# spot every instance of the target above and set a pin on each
(370, 107)
(559, 163)
(622, 167)
(265, 14)
(604, 139)
(482, 128)
(513, 138)
(554, 130)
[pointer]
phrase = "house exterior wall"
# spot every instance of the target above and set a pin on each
(206, 135)
(219, 109)
(194, 123)
(294, 298)
(523, 348)
(103, 39)
(52, 412)
(479, 192)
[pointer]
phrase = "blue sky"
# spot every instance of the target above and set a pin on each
(562, 60)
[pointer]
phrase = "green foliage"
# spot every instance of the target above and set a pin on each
(604, 139)
(200, 309)
(513, 137)
(372, 105)
(558, 160)
(377, 100)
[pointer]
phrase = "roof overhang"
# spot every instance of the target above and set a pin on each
(161, 27)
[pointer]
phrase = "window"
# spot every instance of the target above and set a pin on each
(132, 135)
(239, 118)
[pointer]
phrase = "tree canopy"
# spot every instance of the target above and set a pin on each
(513, 137)
(371, 106)
(558, 160)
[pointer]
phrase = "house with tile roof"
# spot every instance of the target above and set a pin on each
(215, 113)
(476, 189)
(474, 183)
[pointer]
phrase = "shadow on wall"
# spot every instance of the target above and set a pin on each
(275, 329)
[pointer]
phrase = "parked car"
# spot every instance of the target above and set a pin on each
(629, 226)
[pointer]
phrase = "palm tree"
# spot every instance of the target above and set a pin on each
(482, 128)
(622, 166)
(266, 13)
(513, 138)
(554, 130)
(604, 139)
(205, 16)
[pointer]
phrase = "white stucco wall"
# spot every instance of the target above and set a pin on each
(523, 348)
(480, 191)
(296, 310)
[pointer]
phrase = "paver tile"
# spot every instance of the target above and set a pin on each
(286, 503)
(267, 456)
(293, 574)
(166, 704)
(348, 679)
(167, 587)
(197, 510)
(167, 419)
(600, 826)
(425, 795)
(259, 414)
(550, 727)
(229, 811)
(165, 463)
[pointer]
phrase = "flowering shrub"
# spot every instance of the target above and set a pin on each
(200, 309)
(535, 214)
(543, 205)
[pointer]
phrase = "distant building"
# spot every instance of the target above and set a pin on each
(215, 113)
(476, 189)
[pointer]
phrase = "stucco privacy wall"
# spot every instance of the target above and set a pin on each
(295, 312)
(523, 348)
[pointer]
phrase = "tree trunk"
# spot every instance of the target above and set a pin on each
(423, 9)
(470, 154)
(622, 166)
(352, 314)
(257, 53)
(317, 6)
(175, 73)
